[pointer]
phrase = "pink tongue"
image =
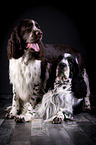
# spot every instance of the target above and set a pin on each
(34, 46)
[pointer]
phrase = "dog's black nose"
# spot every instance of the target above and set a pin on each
(37, 33)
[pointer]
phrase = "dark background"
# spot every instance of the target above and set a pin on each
(68, 23)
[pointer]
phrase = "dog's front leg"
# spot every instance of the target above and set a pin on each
(62, 115)
(66, 112)
(13, 110)
(27, 113)
(87, 106)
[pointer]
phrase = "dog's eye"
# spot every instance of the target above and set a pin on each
(37, 25)
(30, 26)
(70, 60)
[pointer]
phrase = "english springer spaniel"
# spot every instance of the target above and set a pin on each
(57, 104)
(26, 54)
(32, 66)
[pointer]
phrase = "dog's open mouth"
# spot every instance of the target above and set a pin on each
(33, 46)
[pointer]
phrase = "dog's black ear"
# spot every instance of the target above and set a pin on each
(75, 69)
(15, 48)
(52, 75)
(59, 59)
(79, 87)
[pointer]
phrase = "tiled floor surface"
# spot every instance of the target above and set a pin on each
(82, 131)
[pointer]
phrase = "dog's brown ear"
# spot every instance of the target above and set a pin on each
(42, 51)
(15, 48)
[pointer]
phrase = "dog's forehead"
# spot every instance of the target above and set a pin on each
(33, 22)
(35, 25)
(66, 55)
(64, 61)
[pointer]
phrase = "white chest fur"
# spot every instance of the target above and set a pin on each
(24, 75)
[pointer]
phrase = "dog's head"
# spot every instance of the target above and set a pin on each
(66, 66)
(30, 31)
(25, 37)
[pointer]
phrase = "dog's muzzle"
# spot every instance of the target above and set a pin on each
(37, 35)
(61, 67)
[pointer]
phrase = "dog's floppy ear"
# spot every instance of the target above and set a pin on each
(52, 76)
(15, 48)
(59, 59)
(74, 68)
(79, 87)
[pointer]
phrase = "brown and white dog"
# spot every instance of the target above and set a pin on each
(29, 66)
(25, 52)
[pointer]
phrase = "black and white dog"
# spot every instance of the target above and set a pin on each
(57, 104)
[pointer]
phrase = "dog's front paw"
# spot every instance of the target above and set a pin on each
(57, 120)
(86, 105)
(9, 115)
(8, 109)
(87, 108)
(19, 119)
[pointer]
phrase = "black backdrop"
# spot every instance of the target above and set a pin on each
(68, 23)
